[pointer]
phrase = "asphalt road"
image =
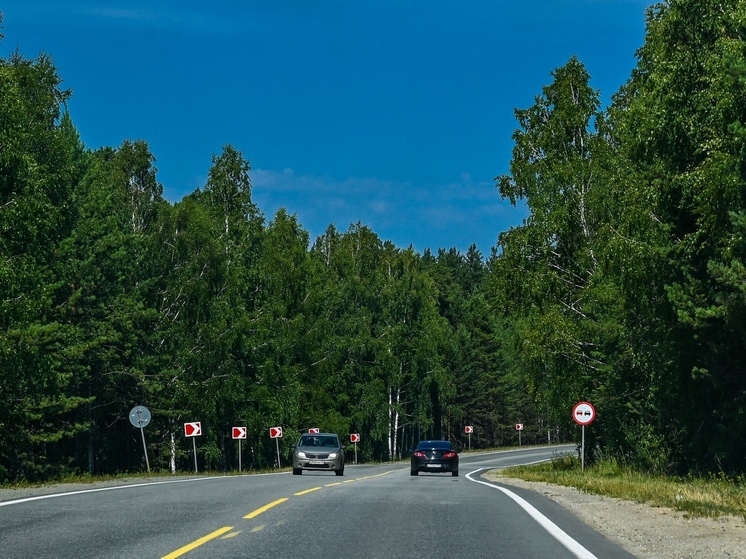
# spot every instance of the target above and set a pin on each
(373, 511)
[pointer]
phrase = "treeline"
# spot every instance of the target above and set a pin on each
(203, 310)
(625, 286)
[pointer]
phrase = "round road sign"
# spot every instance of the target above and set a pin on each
(583, 413)
(139, 416)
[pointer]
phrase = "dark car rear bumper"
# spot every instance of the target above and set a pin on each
(435, 467)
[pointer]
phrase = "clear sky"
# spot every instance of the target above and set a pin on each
(396, 114)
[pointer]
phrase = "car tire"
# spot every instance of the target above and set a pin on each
(413, 473)
(454, 473)
(297, 471)
(340, 472)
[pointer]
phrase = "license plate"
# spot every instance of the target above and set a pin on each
(433, 465)
(315, 462)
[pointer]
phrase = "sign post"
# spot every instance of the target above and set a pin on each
(140, 417)
(239, 433)
(469, 429)
(276, 434)
(583, 413)
(519, 428)
(355, 438)
(193, 430)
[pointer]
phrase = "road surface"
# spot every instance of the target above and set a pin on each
(373, 511)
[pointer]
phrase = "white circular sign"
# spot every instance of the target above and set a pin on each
(583, 413)
(139, 416)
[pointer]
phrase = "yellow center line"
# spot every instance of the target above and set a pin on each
(181, 551)
(265, 508)
(383, 474)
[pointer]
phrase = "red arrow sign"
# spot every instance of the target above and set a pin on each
(469, 429)
(275, 432)
(193, 429)
(313, 430)
(239, 432)
(354, 437)
(519, 426)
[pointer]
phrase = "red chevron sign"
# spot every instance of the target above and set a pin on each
(239, 432)
(193, 429)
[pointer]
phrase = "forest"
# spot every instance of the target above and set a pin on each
(625, 286)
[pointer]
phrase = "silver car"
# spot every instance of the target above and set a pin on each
(319, 451)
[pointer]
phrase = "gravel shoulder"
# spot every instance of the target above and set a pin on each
(646, 532)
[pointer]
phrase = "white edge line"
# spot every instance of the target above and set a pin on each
(115, 487)
(572, 545)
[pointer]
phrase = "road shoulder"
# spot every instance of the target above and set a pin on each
(646, 532)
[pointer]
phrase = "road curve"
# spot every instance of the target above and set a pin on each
(373, 511)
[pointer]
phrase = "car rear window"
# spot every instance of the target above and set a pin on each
(435, 444)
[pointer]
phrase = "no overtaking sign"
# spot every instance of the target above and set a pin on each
(583, 413)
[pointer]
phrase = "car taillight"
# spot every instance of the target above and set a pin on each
(449, 454)
(419, 454)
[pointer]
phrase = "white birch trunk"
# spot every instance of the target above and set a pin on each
(173, 453)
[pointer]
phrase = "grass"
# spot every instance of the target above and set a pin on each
(710, 497)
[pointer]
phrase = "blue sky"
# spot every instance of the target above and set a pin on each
(398, 115)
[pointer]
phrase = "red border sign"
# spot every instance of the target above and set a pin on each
(583, 413)
(239, 432)
(193, 429)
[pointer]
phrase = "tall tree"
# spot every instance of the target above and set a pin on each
(39, 349)
(680, 121)
(548, 265)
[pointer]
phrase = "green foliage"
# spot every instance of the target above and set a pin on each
(623, 286)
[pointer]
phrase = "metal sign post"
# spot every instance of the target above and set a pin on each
(239, 433)
(276, 434)
(355, 438)
(140, 417)
(583, 413)
(193, 430)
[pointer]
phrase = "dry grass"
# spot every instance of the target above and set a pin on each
(698, 497)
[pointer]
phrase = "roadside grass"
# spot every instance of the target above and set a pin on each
(709, 497)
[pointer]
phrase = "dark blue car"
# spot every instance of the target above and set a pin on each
(434, 457)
